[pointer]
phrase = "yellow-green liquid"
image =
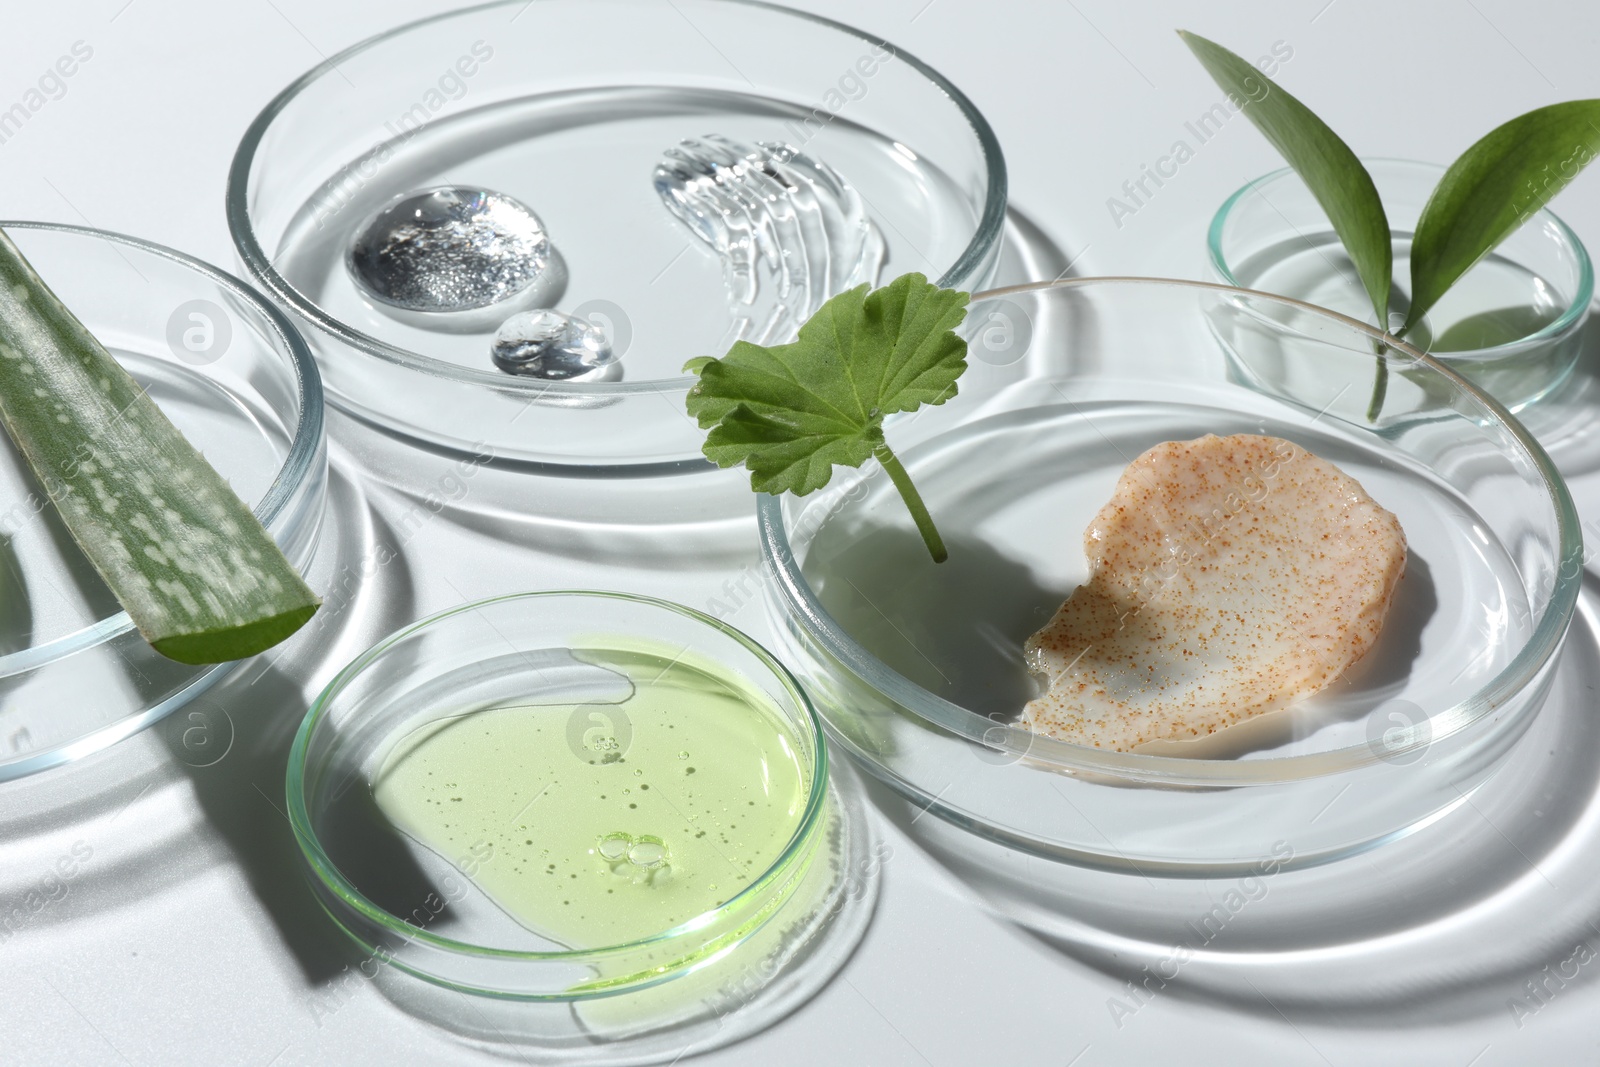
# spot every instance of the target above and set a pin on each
(594, 837)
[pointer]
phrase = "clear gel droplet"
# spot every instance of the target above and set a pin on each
(547, 344)
(449, 250)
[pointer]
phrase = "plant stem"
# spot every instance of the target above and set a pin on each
(1380, 387)
(913, 499)
(1380, 384)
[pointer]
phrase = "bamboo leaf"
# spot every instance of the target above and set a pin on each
(197, 573)
(1324, 162)
(1494, 188)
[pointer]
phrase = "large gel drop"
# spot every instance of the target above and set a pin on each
(450, 250)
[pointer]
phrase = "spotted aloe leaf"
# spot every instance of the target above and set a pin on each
(201, 578)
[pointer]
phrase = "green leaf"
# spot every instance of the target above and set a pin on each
(197, 573)
(790, 413)
(1324, 162)
(1494, 188)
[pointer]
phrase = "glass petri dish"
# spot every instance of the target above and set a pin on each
(580, 667)
(917, 668)
(232, 373)
(481, 97)
(1512, 325)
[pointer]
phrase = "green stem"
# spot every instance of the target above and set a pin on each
(1380, 387)
(1380, 384)
(913, 499)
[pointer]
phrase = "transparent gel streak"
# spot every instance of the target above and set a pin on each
(790, 231)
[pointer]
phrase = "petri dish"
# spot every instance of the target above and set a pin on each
(607, 808)
(233, 374)
(481, 98)
(1512, 325)
(917, 668)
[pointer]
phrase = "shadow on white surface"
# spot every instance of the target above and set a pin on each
(1028, 254)
(236, 757)
(204, 785)
(770, 974)
(1565, 422)
(1493, 906)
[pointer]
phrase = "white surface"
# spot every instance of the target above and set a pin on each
(164, 948)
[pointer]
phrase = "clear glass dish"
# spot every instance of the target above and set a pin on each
(539, 651)
(232, 373)
(483, 97)
(1511, 325)
(917, 667)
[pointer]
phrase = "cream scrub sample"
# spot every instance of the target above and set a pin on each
(1229, 577)
(608, 823)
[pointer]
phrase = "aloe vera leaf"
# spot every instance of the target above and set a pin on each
(187, 559)
(1496, 185)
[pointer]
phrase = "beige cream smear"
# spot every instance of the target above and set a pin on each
(1229, 577)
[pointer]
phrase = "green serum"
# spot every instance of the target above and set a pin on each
(609, 822)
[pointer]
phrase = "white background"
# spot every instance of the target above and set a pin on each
(177, 943)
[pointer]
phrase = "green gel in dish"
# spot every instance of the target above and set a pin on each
(607, 822)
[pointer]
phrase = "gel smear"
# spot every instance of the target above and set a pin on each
(608, 822)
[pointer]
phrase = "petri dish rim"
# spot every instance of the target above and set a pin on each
(1582, 294)
(802, 605)
(991, 223)
(331, 877)
(298, 462)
